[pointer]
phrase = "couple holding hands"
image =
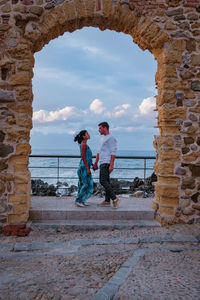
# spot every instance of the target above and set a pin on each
(105, 158)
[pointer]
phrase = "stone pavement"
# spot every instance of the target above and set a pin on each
(139, 263)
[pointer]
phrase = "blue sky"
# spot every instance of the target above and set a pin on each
(90, 76)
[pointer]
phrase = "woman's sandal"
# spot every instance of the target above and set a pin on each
(79, 204)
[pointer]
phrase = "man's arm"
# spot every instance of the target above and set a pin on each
(112, 160)
(113, 154)
(95, 165)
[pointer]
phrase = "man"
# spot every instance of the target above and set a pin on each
(106, 158)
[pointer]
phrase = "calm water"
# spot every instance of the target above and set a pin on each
(68, 170)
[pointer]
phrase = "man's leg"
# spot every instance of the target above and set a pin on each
(105, 182)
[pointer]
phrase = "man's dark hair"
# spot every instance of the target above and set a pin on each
(104, 124)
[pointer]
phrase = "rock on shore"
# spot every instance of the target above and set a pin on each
(135, 188)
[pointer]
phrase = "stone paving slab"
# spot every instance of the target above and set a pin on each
(89, 225)
(153, 263)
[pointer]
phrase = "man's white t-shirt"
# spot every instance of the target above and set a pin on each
(107, 147)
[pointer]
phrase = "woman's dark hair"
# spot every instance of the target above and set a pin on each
(79, 137)
(104, 124)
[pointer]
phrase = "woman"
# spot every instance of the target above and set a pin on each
(85, 183)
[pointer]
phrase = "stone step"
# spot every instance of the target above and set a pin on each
(90, 215)
(79, 225)
(52, 208)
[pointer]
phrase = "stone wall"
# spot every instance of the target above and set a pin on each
(169, 29)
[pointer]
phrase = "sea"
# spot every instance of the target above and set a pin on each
(46, 168)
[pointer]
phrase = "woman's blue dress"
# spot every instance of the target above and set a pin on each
(85, 182)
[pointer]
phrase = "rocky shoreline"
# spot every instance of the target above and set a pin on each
(136, 188)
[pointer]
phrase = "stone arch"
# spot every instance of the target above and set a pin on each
(158, 26)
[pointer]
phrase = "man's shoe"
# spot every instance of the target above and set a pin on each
(104, 203)
(85, 204)
(116, 203)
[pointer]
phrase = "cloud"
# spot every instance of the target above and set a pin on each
(119, 111)
(147, 106)
(87, 47)
(43, 116)
(69, 79)
(97, 106)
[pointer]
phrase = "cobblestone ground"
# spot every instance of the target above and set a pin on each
(142, 263)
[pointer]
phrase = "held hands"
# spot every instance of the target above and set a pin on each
(95, 167)
(88, 172)
(111, 168)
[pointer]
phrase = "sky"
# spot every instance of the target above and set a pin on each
(89, 76)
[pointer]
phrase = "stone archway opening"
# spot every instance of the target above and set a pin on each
(156, 26)
(119, 99)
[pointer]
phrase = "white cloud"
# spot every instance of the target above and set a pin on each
(119, 111)
(86, 46)
(43, 116)
(70, 80)
(147, 106)
(97, 106)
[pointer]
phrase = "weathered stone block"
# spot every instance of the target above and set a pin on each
(186, 74)
(188, 211)
(20, 79)
(3, 165)
(18, 218)
(169, 155)
(195, 170)
(36, 10)
(23, 149)
(2, 188)
(21, 188)
(164, 168)
(168, 179)
(6, 96)
(22, 178)
(196, 206)
(19, 159)
(193, 117)
(169, 191)
(165, 97)
(174, 12)
(172, 113)
(24, 109)
(19, 199)
(2, 136)
(20, 208)
(169, 201)
(191, 45)
(18, 135)
(195, 60)
(195, 85)
(170, 26)
(165, 210)
(185, 150)
(191, 157)
(180, 171)
(5, 150)
(195, 197)
(6, 177)
(6, 8)
(188, 140)
(165, 141)
(188, 183)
